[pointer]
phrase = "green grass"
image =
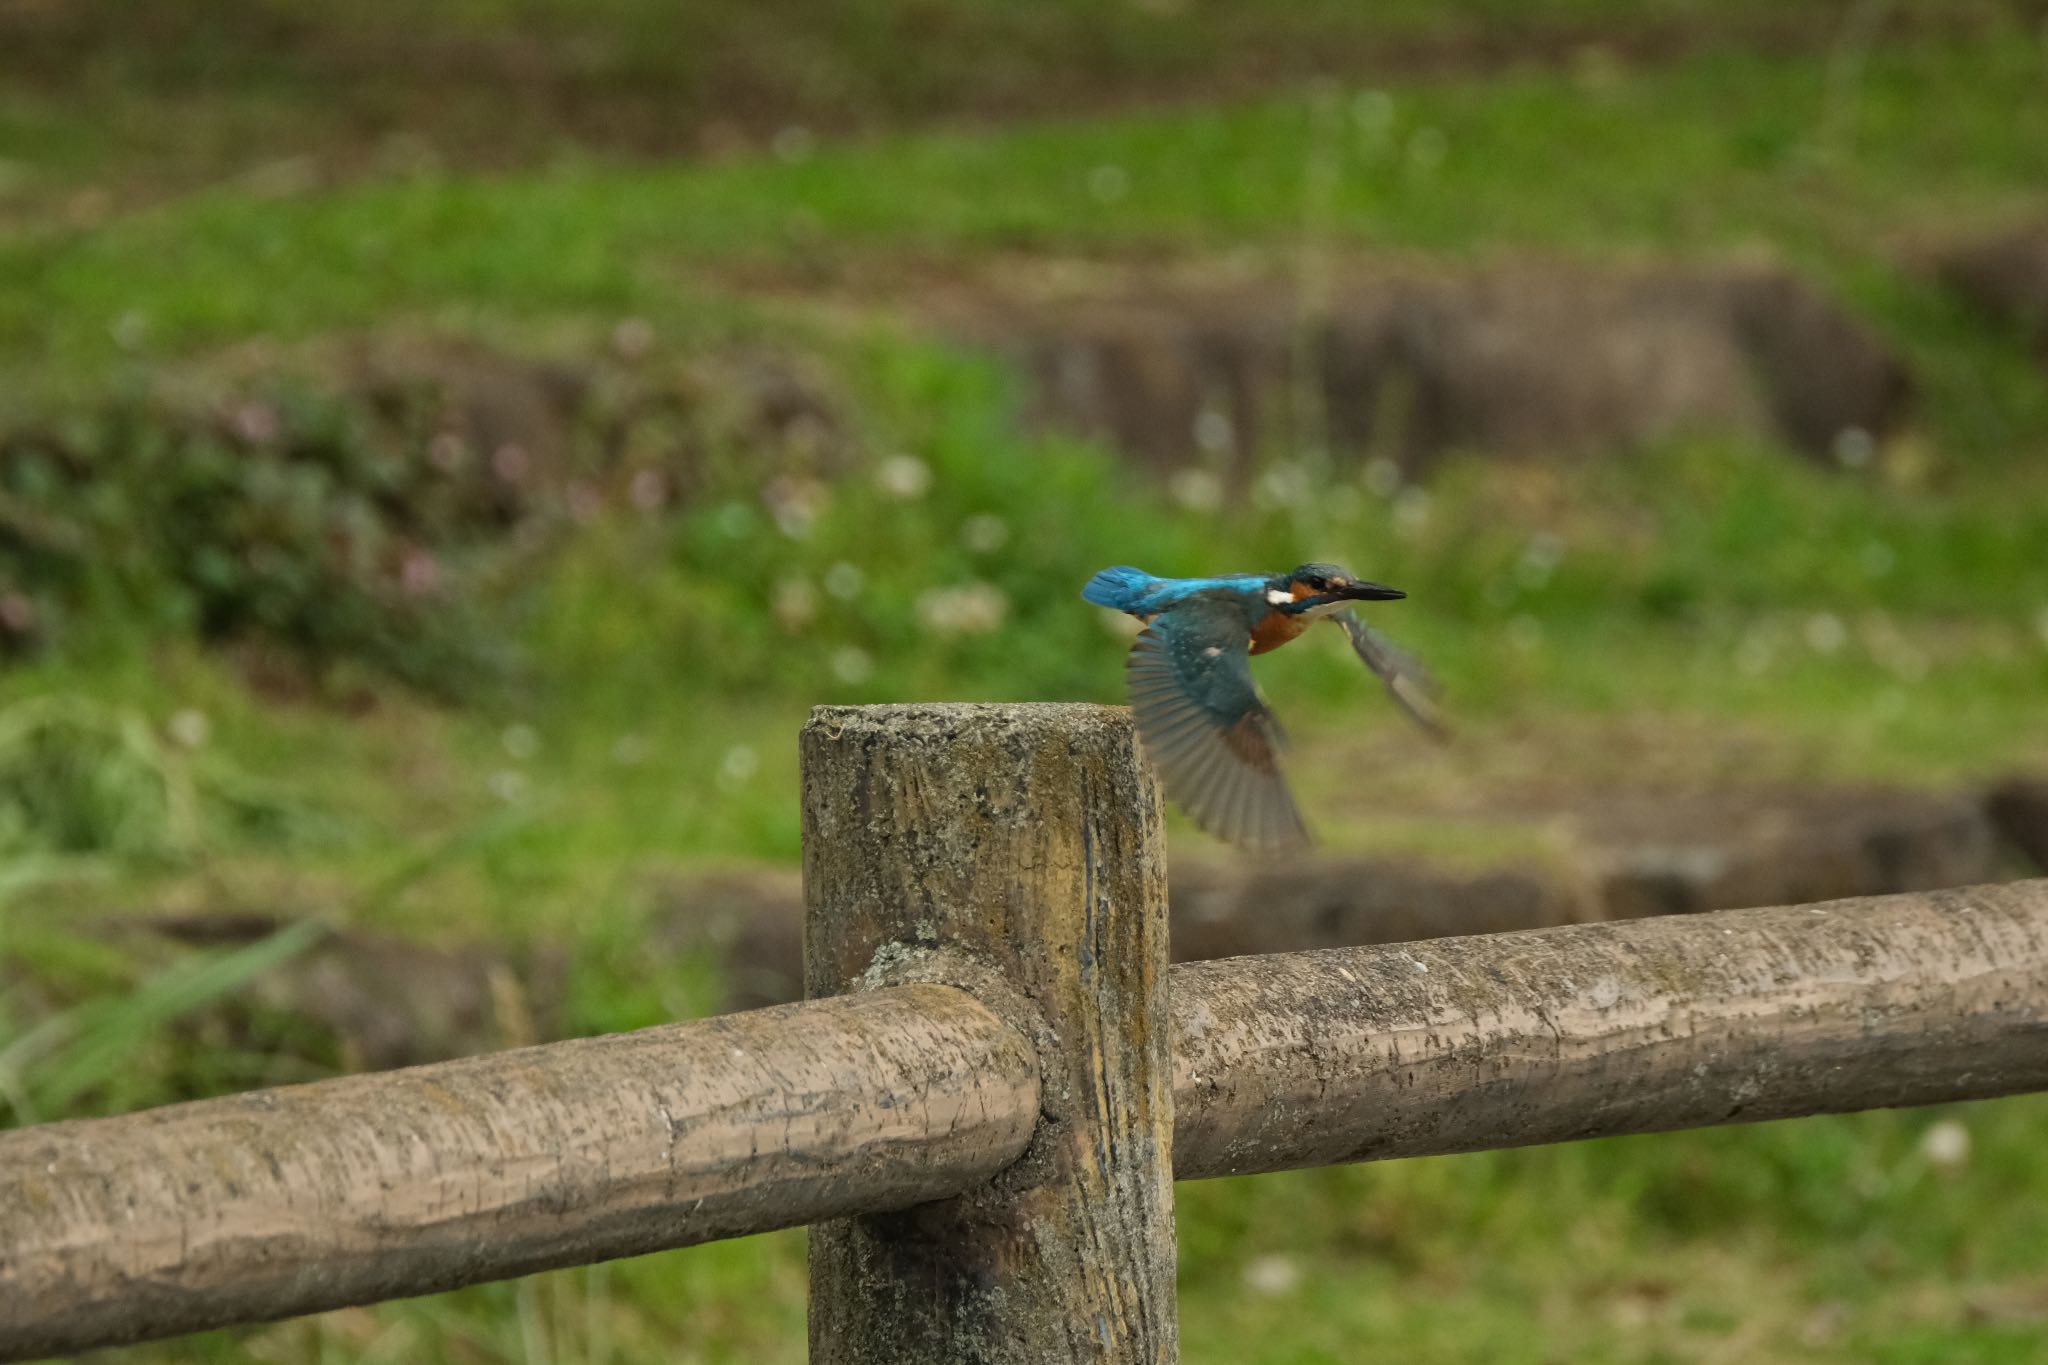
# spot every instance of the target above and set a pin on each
(113, 105)
(1692, 613)
(1718, 152)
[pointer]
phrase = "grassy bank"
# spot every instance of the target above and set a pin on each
(238, 735)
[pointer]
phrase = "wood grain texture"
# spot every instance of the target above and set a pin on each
(293, 1200)
(1018, 848)
(1464, 1044)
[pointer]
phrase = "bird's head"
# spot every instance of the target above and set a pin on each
(1321, 588)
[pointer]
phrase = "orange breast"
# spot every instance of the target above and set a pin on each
(1275, 630)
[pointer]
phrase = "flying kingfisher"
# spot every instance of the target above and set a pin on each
(1204, 725)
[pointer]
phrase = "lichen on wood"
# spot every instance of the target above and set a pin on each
(1021, 845)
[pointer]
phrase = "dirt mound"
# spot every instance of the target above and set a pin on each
(1627, 858)
(1232, 910)
(1726, 850)
(2019, 807)
(1520, 361)
(2003, 274)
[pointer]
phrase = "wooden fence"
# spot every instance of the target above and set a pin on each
(984, 1105)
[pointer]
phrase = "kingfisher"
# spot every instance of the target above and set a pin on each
(1203, 722)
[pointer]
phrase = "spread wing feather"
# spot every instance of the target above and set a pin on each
(1405, 678)
(1213, 740)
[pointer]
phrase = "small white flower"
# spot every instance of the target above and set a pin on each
(984, 534)
(795, 603)
(852, 665)
(1198, 490)
(1825, 633)
(1946, 1144)
(904, 476)
(520, 741)
(1853, 448)
(1539, 557)
(795, 504)
(1284, 485)
(844, 581)
(794, 520)
(1109, 183)
(633, 338)
(966, 609)
(1272, 1275)
(1214, 433)
(739, 764)
(190, 728)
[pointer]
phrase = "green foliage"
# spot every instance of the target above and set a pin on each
(382, 519)
(944, 556)
(113, 1046)
(283, 518)
(79, 779)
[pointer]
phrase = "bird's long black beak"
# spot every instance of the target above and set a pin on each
(1366, 592)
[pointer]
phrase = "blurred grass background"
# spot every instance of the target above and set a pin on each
(278, 646)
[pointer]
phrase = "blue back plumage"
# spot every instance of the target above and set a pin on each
(1124, 588)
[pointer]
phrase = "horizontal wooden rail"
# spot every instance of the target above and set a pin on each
(1502, 1040)
(371, 1187)
(368, 1187)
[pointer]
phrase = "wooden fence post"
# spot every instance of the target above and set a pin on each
(1015, 851)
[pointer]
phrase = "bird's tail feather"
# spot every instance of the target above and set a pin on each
(1120, 588)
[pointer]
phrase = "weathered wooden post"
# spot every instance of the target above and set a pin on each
(1015, 851)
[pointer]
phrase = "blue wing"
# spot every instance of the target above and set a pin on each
(1213, 740)
(1124, 588)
